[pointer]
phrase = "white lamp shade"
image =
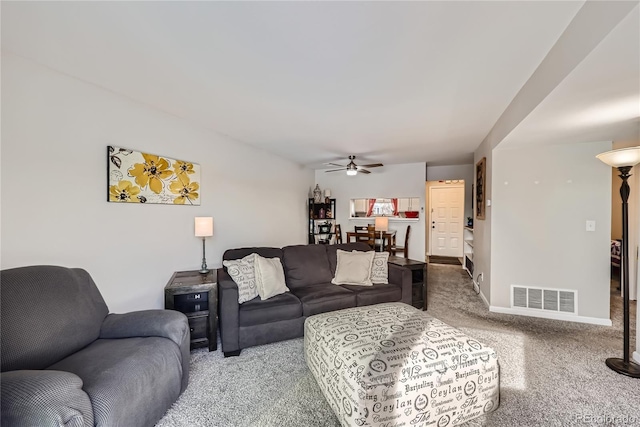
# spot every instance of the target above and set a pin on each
(622, 157)
(352, 172)
(327, 193)
(204, 226)
(382, 223)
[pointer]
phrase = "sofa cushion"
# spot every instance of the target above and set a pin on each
(266, 252)
(118, 375)
(369, 295)
(324, 297)
(331, 252)
(59, 309)
(280, 307)
(306, 265)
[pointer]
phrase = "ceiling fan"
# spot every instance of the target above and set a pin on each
(352, 168)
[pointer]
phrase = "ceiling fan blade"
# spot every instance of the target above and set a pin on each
(335, 164)
(336, 170)
(363, 170)
(373, 165)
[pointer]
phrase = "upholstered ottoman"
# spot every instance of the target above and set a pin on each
(394, 365)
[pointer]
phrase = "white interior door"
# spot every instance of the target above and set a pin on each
(447, 213)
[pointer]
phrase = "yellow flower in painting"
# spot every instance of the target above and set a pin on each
(182, 168)
(123, 191)
(151, 172)
(186, 191)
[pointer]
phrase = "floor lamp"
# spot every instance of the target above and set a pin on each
(624, 159)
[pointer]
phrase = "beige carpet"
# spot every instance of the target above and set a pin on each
(552, 372)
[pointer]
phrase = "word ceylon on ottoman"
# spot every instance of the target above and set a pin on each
(394, 365)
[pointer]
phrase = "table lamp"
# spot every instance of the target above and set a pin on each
(203, 228)
(382, 225)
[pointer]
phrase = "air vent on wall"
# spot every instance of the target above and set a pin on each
(562, 301)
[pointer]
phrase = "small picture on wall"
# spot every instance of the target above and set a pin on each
(136, 177)
(480, 188)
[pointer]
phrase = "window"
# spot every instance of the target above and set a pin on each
(407, 207)
(382, 207)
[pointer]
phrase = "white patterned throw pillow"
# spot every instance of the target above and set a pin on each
(242, 271)
(353, 268)
(380, 268)
(269, 277)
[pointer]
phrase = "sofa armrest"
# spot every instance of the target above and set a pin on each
(44, 398)
(401, 276)
(228, 312)
(168, 324)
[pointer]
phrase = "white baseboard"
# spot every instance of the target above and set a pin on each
(551, 315)
(485, 300)
(636, 356)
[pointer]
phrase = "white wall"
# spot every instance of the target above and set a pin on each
(465, 172)
(542, 197)
(405, 180)
(55, 130)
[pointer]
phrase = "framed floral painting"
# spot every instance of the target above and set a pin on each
(136, 177)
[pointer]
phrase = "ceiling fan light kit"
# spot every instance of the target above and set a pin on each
(353, 169)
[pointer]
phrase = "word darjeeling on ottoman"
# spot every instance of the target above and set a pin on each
(391, 364)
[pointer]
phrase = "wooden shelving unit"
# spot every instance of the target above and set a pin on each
(322, 222)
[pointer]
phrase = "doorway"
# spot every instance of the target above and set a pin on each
(446, 219)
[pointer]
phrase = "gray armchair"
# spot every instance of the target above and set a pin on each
(67, 362)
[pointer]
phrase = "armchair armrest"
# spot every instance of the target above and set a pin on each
(168, 324)
(44, 398)
(228, 312)
(147, 323)
(401, 276)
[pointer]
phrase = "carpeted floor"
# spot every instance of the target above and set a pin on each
(552, 372)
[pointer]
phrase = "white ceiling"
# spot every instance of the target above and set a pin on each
(598, 101)
(312, 81)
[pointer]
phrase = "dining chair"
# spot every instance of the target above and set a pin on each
(404, 249)
(338, 234)
(371, 236)
(361, 233)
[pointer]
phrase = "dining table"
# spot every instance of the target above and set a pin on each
(388, 237)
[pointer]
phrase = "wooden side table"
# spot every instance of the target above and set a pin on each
(418, 279)
(196, 295)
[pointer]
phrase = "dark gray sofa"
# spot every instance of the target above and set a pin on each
(308, 272)
(67, 362)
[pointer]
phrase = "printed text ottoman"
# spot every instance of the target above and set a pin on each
(394, 365)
